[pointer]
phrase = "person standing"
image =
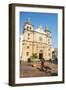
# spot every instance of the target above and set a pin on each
(42, 63)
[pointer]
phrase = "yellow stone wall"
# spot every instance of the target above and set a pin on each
(33, 42)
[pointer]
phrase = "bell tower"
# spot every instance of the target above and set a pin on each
(28, 25)
(46, 29)
(27, 39)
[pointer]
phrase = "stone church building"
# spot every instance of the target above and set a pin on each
(35, 41)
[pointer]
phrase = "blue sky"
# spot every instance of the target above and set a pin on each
(43, 19)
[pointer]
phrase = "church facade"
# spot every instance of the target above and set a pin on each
(35, 41)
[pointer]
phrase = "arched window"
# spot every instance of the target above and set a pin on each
(27, 47)
(28, 34)
(27, 27)
(27, 53)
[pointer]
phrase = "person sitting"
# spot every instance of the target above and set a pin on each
(47, 68)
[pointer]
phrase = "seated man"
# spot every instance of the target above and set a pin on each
(47, 68)
(42, 60)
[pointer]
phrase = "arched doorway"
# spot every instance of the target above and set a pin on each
(40, 54)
